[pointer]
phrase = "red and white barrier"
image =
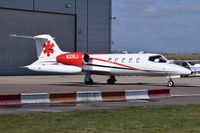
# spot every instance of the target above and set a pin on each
(34, 98)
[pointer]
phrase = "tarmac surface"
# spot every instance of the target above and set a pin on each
(186, 91)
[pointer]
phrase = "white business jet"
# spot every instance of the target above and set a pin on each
(52, 59)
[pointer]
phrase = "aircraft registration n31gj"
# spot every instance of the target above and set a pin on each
(52, 59)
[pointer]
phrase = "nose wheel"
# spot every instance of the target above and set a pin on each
(170, 83)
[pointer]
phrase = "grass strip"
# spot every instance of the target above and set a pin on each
(182, 56)
(151, 119)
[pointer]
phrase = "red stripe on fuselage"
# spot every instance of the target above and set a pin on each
(119, 64)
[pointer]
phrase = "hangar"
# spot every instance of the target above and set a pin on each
(77, 25)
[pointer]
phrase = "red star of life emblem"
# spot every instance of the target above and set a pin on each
(48, 48)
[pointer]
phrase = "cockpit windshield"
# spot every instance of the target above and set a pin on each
(157, 59)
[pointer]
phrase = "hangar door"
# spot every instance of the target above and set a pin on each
(15, 52)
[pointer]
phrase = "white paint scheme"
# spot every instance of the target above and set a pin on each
(148, 64)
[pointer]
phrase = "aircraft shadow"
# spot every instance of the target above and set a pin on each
(154, 84)
(78, 84)
(96, 84)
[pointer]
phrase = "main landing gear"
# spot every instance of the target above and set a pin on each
(88, 79)
(170, 83)
(111, 80)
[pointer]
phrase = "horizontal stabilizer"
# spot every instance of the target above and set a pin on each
(20, 36)
(29, 37)
(23, 67)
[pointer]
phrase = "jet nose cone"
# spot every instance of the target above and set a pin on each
(185, 71)
(178, 70)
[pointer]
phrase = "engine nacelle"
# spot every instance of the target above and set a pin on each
(86, 58)
(55, 68)
(75, 59)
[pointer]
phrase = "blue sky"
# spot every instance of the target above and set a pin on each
(164, 26)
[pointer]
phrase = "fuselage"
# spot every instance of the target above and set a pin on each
(146, 64)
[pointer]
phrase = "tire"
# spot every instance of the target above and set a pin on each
(89, 82)
(109, 81)
(170, 84)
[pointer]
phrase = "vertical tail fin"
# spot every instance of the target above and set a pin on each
(45, 45)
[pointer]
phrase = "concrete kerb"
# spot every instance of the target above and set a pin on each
(82, 96)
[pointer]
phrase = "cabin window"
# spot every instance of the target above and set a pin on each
(123, 60)
(110, 60)
(117, 59)
(130, 60)
(185, 64)
(157, 59)
(138, 60)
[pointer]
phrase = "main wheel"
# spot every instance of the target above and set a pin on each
(110, 81)
(89, 82)
(170, 83)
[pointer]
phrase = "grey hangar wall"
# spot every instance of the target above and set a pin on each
(77, 25)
